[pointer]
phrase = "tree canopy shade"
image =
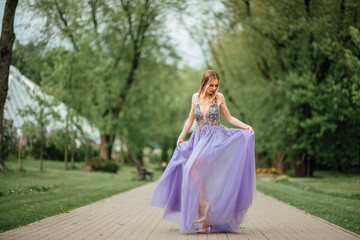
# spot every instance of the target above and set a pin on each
(295, 68)
(109, 42)
(6, 43)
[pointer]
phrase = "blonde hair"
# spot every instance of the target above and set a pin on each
(208, 77)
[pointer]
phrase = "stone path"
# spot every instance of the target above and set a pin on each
(129, 215)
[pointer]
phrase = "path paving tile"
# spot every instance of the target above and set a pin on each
(129, 215)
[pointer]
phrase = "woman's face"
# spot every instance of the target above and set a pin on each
(213, 87)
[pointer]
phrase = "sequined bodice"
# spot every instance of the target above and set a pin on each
(211, 117)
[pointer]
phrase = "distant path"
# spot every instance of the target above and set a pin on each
(129, 215)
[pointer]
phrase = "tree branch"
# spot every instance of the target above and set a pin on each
(65, 27)
(93, 5)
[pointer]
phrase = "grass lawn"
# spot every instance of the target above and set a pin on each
(332, 196)
(31, 195)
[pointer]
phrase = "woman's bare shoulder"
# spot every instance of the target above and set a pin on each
(194, 97)
(220, 99)
(220, 96)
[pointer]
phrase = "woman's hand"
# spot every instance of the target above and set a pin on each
(179, 141)
(250, 129)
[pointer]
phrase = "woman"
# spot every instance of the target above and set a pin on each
(209, 182)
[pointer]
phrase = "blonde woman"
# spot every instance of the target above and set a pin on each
(209, 183)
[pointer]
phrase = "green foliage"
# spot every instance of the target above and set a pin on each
(30, 140)
(29, 59)
(110, 166)
(9, 142)
(95, 163)
(282, 178)
(115, 69)
(100, 164)
(154, 158)
(294, 71)
(41, 114)
(55, 146)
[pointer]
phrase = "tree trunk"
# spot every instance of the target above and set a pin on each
(122, 160)
(310, 166)
(138, 168)
(72, 159)
(139, 155)
(41, 165)
(338, 165)
(19, 155)
(307, 5)
(138, 163)
(106, 146)
(298, 165)
(278, 160)
(6, 43)
(130, 158)
(66, 142)
(41, 154)
(42, 144)
(164, 150)
(248, 7)
(66, 156)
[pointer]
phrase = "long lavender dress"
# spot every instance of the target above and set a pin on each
(216, 164)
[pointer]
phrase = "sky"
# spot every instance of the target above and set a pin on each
(188, 50)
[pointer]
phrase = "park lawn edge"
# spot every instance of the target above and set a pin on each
(21, 208)
(272, 189)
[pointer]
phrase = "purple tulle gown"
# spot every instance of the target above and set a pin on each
(215, 168)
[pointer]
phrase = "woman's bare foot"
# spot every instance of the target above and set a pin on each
(203, 228)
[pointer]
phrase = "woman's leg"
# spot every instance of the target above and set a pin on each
(204, 207)
(198, 177)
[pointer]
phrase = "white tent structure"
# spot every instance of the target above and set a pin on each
(20, 94)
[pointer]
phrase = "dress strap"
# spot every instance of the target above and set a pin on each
(197, 98)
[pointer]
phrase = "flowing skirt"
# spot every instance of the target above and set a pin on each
(216, 165)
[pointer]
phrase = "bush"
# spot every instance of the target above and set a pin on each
(154, 158)
(95, 163)
(283, 178)
(100, 164)
(9, 139)
(55, 148)
(110, 166)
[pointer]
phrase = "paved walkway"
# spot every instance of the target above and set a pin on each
(129, 215)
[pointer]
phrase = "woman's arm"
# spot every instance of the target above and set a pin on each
(188, 123)
(230, 119)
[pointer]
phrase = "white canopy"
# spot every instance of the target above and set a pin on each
(20, 94)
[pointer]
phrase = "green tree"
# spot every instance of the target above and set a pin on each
(293, 67)
(42, 115)
(109, 40)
